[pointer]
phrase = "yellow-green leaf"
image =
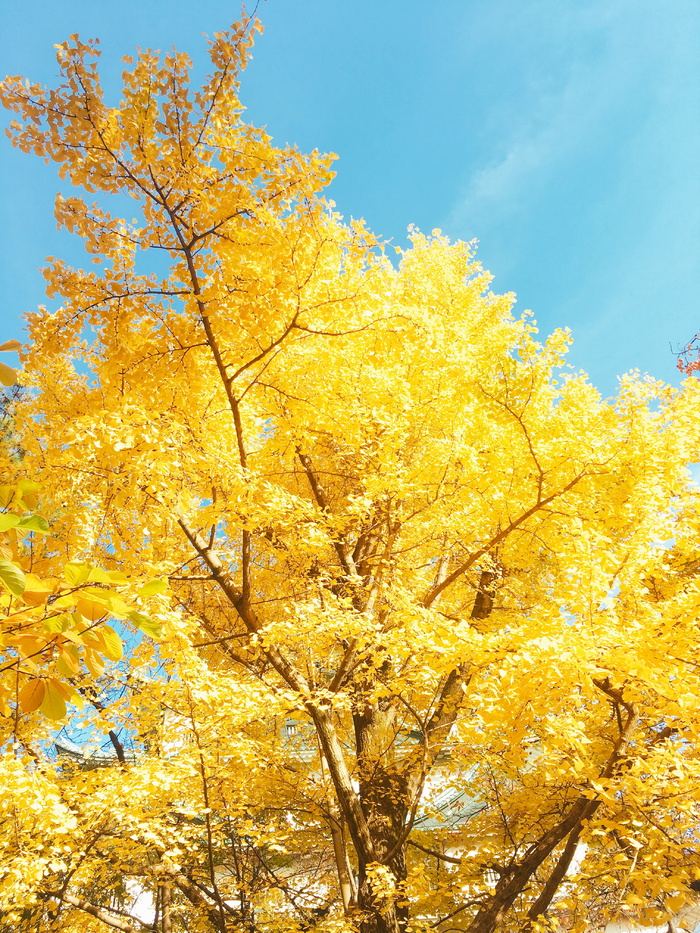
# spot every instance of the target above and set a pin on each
(118, 607)
(153, 587)
(12, 577)
(8, 520)
(34, 523)
(77, 573)
(145, 623)
(117, 576)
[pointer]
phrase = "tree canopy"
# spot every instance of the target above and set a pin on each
(425, 658)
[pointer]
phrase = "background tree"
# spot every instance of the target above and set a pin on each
(409, 556)
(689, 357)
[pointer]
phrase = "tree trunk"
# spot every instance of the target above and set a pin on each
(165, 900)
(385, 804)
(347, 886)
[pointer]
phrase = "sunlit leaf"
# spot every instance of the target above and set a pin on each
(153, 587)
(77, 573)
(8, 520)
(113, 648)
(90, 609)
(68, 662)
(94, 663)
(36, 523)
(31, 696)
(98, 575)
(12, 577)
(145, 623)
(53, 705)
(8, 376)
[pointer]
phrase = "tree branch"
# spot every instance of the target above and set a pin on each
(284, 668)
(513, 882)
(495, 540)
(341, 549)
(96, 912)
(444, 858)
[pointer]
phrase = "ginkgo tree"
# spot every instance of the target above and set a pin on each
(411, 557)
(52, 613)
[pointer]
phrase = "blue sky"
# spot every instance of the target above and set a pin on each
(563, 134)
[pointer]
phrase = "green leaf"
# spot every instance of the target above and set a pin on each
(145, 623)
(112, 642)
(77, 573)
(153, 587)
(12, 577)
(54, 704)
(34, 523)
(8, 520)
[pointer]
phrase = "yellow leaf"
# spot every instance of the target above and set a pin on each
(89, 609)
(112, 645)
(77, 573)
(53, 705)
(94, 663)
(8, 377)
(31, 696)
(68, 662)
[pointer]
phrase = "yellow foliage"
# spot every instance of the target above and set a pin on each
(413, 558)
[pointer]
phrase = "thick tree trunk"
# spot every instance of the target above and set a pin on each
(380, 897)
(388, 792)
(385, 803)
(378, 914)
